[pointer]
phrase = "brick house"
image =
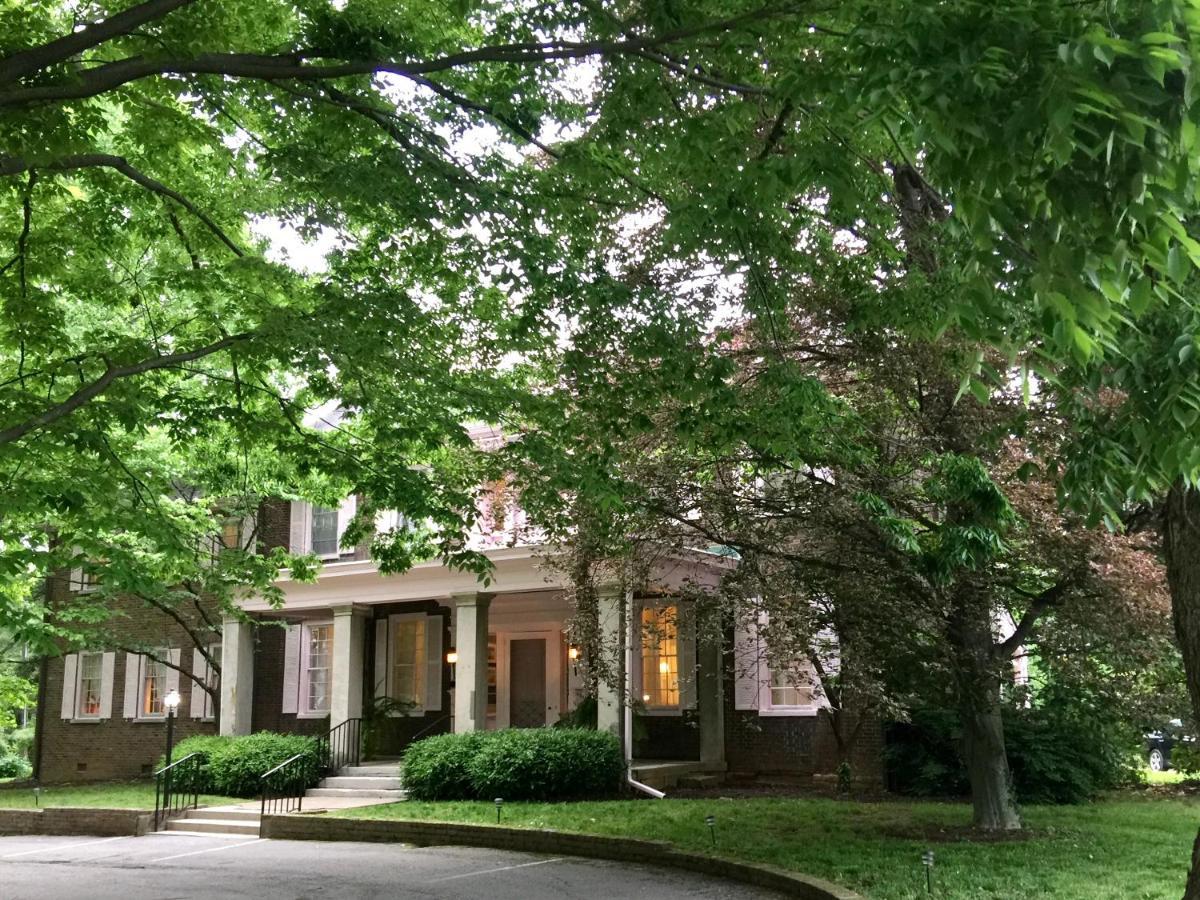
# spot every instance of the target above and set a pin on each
(458, 656)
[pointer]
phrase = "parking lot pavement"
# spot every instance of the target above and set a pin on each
(192, 866)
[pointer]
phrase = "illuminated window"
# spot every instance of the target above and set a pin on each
(660, 657)
(154, 688)
(91, 669)
(317, 670)
(408, 660)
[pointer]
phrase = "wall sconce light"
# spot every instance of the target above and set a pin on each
(451, 656)
(572, 653)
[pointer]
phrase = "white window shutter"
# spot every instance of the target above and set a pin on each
(747, 662)
(199, 670)
(291, 670)
(345, 513)
(70, 682)
(108, 663)
(300, 530)
(381, 658)
(686, 630)
(433, 658)
(174, 656)
(133, 676)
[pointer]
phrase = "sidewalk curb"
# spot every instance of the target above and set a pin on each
(529, 840)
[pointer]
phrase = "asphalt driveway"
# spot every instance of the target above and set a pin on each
(187, 866)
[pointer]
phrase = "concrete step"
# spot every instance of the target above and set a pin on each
(214, 826)
(385, 795)
(374, 770)
(363, 782)
(245, 815)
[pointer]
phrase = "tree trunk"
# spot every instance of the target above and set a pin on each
(978, 687)
(1181, 542)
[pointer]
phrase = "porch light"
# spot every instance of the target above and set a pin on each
(171, 701)
(452, 656)
(572, 653)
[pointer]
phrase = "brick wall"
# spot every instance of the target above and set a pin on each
(114, 748)
(101, 822)
(666, 737)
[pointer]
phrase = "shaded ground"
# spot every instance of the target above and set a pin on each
(183, 866)
(114, 795)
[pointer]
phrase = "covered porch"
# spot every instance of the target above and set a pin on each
(429, 652)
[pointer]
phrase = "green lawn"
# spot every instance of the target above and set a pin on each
(115, 795)
(1127, 848)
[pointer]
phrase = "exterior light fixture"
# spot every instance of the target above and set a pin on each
(452, 656)
(711, 822)
(927, 862)
(572, 653)
(499, 803)
(171, 702)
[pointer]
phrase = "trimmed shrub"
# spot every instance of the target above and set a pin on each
(438, 767)
(206, 745)
(516, 764)
(234, 765)
(13, 766)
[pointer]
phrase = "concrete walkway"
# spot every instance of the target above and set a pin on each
(194, 866)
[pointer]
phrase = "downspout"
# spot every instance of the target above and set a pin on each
(627, 714)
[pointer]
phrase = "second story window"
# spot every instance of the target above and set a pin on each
(91, 675)
(324, 531)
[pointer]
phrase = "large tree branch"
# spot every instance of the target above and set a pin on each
(12, 165)
(100, 79)
(1040, 604)
(34, 59)
(113, 373)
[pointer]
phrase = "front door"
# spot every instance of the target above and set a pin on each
(527, 694)
(529, 688)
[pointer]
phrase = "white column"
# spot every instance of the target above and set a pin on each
(349, 642)
(710, 701)
(470, 672)
(237, 675)
(610, 602)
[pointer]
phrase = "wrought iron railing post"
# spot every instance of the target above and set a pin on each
(168, 801)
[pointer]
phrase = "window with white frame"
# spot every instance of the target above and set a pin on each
(90, 683)
(660, 657)
(324, 539)
(212, 678)
(317, 669)
(153, 688)
(790, 686)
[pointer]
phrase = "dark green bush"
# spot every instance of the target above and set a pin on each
(234, 765)
(13, 766)
(437, 768)
(187, 778)
(1185, 758)
(515, 764)
(1060, 751)
(582, 716)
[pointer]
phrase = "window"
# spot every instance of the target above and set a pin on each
(408, 660)
(789, 687)
(317, 669)
(491, 675)
(212, 678)
(324, 531)
(153, 689)
(660, 657)
(91, 676)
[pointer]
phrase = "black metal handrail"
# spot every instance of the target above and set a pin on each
(341, 746)
(283, 787)
(432, 725)
(176, 788)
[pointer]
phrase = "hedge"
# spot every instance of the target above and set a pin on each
(515, 764)
(233, 766)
